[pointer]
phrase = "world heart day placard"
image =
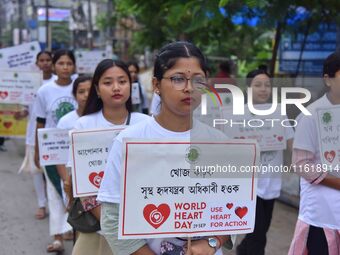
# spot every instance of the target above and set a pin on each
(328, 126)
(89, 151)
(160, 197)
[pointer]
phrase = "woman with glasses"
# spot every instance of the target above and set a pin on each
(180, 73)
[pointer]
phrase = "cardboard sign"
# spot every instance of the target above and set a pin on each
(160, 199)
(19, 87)
(267, 129)
(89, 158)
(87, 61)
(328, 125)
(9, 125)
(54, 146)
(21, 57)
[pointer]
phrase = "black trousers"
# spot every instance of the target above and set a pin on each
(255, 243)
(316, 241)
(2, 140)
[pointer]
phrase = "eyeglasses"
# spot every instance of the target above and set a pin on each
(179, 81)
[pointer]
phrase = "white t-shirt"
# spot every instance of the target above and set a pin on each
(69, 120)
(97, 120)
(269, 184)
(110, 186)
(32, 122)
(319, 205)
(53, 102)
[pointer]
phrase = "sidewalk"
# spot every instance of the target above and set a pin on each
(21, 233)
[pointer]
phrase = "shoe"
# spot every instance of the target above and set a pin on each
(56, 246)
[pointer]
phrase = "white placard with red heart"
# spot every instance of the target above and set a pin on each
(267, 130)
(328, 125)
(19, 87)
(21, 57)
(89, 151)
(161, 197)
(53, 146)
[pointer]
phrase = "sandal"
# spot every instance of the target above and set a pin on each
(41, 213)
(56, 246)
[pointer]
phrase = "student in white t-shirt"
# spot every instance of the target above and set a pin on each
(54, 101)
(44, 62)
(180, 71)
(108, 105)
(269, 184)
(80, 91)
(317, 230)
(143, 105)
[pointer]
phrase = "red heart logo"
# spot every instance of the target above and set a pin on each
(329, 156)
(280, 138)
(8, 124)
(96, 178)
(241, 211)
(3, 94)
(45, 157)
(156, 216)
(230, 205)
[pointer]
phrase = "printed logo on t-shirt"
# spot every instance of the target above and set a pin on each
(61, 107)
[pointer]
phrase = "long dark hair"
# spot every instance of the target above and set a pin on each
(170, 53)
(95, 103)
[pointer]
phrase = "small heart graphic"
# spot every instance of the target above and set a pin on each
(280, 138)
(8, 124)
(241, 211)
(230, 205)
(3, 94)
(329, 156)
(156, 216)
(96, 178)
(45, 157)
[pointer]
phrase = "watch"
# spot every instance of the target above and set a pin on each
(213, 242)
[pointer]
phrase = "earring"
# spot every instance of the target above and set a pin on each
(157, 92)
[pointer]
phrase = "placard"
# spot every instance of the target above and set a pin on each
(87, 61)
(328, 125)
(9, 125)
(267, 129)
(21, 57)
(160, 199)
(54, 146)
(89, 152)
(19, 87)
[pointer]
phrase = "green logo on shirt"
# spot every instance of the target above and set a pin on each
(327, 118)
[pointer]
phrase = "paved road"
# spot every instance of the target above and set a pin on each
(21, 233)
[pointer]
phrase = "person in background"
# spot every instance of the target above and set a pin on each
(140, 102)
(54, 101)
(2, 141)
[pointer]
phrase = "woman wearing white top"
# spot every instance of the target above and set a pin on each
(176, 64)
(53, 102)
(268, 184)
(317, 230)
(44, 62)
(108, 105)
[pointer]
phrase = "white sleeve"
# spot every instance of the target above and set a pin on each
(109, 190)
(39, 107)
(306, 134)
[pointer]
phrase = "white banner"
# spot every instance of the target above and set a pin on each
(21, 57)
(328, 125)
(267, 129)
(53, 146)
(19, 87)
(160, 198)
(87, 61)
(89, 151)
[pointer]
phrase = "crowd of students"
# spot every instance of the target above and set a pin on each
(105, 100)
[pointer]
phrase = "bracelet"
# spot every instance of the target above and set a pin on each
(219, 240)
